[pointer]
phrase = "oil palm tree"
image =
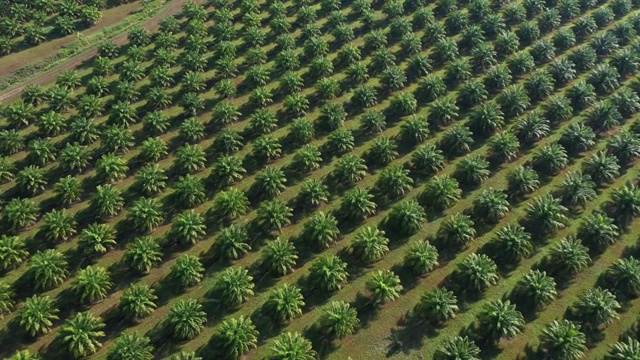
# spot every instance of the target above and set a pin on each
(438, 305)
(80, 334)
(142, 254)
(427, 159)
(285, 303)
(189, 191)
(146, 214)
(563, 340)
(350, 169)
(12, 251)
(188, 270)
(235, 285)
(547, 213)
(570, 256)
(270, 182)
(137, 301)
(537, 288)
(131, 346)
(478, 272)
(598, 230)
(370, 244)
(188, 227)
(597, 307)
(472, 170)
(340, 319)
(407, 217)
(237, 336)
(68, 190)
(31, 180)
(186, 319)
(92, 284)
(456, 140)
(49, 268)
(280, 256)
(328, 273)
(37, 315)
(624, 276)
(500, 319)
(627, 349)
(358, 203)
(458, 347)
(384, 286)
(491, 205)
(292, 346)
(322, 229)
(274, 214)
(232, 242)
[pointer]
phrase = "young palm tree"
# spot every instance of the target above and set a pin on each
(514, 242)
(627, 349)
(151, 179)
(49, 268)
(41, 152)
(186, 319)
(188, 227)
(37, 315)
(478, 272)
(189, 191)
(491, 205)
(328, 273)
(577, 189)
(500, 319)
(394, 181)
(407, 217)
(188, 270)
(270, 182)
(131, 346)
(280, 256)
(142, 254)
(80, 334)
(370, 244)
(75, 158)
(563, 340)
(441, 192)
(456, 230)
(443, 111)
(306, 159)
(624, 276)
(58, 225)
(7, 169)
(137, 301)
(68, 190)
(458, 347)
(537, 288)
(285, 303)
(570, 256)
(625, 202)
(92, 284)
(457, 140)
(547, 213)
(235, 285)
(383, 150)
(597, 307)
(31, 180)
(189, 159)
(340, 319)
(146, 214)
(12, 252)
(232, 242)
(349, 169)
(322, 229)
(274, 214)
(384, 286)
(598, 230)
(438, 305)
(107, 201)
(292, 346)
(238, 336)
(20, 213)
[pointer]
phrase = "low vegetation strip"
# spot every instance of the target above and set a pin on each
(404, 179)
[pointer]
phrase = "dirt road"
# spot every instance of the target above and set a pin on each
(48, 76)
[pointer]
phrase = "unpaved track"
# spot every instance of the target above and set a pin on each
(48, 76)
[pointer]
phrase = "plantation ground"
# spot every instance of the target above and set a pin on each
(391, 330)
